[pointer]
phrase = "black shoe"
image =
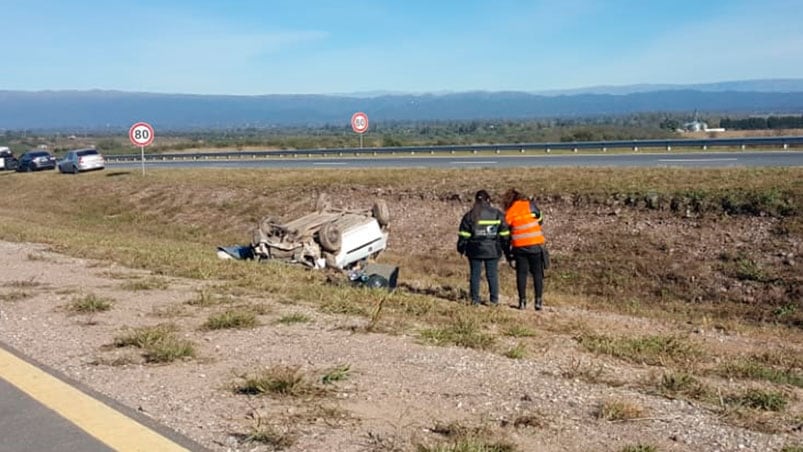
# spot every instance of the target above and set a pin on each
(539, 304)
(522, 304)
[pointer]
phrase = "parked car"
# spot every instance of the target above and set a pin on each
(81, 160)
(7, 159)
(36, 160)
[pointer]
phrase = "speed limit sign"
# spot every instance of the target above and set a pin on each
(141, 134)
(359, 122)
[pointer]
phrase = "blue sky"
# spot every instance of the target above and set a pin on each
(302, 47)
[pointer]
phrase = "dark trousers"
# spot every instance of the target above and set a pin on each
(491, 273)
(529, 263)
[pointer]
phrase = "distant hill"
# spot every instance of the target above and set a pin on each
(98, 110)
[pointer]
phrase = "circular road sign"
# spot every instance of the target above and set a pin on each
(359, 122)
(141, 134)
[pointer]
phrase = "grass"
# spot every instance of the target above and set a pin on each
(295, 317)
(759, 399)
(232, 318)
(207, 298)
(90, 304)
(278, 380)
(639, 448)
(337, 373)
(683, 385)
(519, 351)
(461, 438)
(464, 331)
(158, 343)
(656, 350)
(618, 410)
(15, 295)
(150, 283)
(763, 367)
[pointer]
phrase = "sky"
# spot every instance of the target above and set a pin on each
(253, 47)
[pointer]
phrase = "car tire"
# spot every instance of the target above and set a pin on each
(330, 237)
(74, 169)
(381, 212)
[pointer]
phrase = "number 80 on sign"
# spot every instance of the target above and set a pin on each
(141, 134)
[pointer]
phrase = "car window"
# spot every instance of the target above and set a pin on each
(87, 152)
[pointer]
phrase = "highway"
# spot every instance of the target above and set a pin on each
(619, 160)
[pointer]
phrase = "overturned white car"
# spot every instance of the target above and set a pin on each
(327, 237)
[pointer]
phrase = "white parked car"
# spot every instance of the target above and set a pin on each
(81, 160)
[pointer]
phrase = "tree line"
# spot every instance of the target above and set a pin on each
(762, 123)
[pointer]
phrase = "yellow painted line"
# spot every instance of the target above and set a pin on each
(94, 417)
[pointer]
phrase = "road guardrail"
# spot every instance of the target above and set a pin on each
(667, 145)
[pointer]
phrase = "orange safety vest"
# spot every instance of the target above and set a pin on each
(524, 227)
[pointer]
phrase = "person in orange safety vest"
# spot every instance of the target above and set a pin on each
(527, 252)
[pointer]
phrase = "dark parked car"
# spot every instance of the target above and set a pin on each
(36, 160)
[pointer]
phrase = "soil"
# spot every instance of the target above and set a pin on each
(401, 393)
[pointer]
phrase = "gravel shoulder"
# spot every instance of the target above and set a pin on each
(398, 393)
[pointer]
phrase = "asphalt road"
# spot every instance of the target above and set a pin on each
(624, 160)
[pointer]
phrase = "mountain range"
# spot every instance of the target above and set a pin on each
(112, 110)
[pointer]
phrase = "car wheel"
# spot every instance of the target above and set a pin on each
(28, 168)
(75, 169)
(330, 238)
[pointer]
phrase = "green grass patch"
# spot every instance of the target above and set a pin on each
(158, 343)
(90, 304)
(518, 351)
(465, 331)
(233, 318)
(652, 350)
(756, 368)
(278, 380)
(684, 385)
(460, 438)
(519, 331)
(639, 448)
(337, 373)
(759, 399)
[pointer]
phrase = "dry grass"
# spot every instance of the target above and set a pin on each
(159, 343)
(278, 380)
(619, 410)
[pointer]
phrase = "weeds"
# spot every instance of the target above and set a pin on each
(338, 373)
(651, 350)
(617, 410)
(262, 432)
(279, 380)
(159, 343)
(239, 319)
(760, 400)
(90, 304)
(519, 331)
(639, 448)
(756, 368)
(15, 295)
(684, 385)
(466, 439)
(517, 352)
(206, 298)
(579, 369)
(293, 318)
(464, 332)
(145, 284)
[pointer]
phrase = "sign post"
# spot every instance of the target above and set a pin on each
(359, 124)
(141, 134)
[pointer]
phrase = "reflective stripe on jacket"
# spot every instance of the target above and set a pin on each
(525, 229)
(485, 237)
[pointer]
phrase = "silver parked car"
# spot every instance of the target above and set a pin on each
(81, 160)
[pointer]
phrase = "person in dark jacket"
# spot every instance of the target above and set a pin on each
(527, 252)
(483, 238)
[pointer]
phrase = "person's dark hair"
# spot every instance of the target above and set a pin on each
(481, 199)
(511, 196)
